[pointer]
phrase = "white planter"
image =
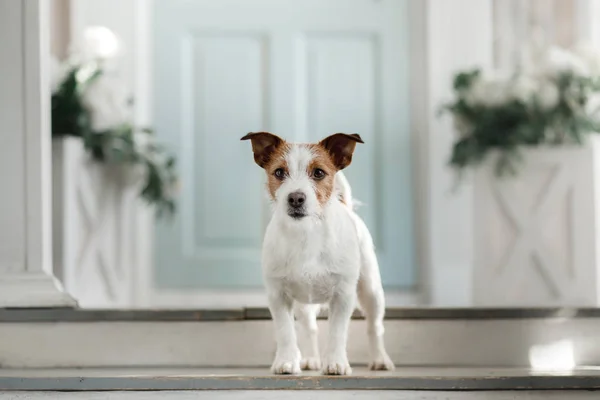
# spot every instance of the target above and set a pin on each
(92, 228)
(535, 233)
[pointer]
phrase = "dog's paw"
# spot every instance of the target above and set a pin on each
(337, 367)
(285, 367)
(310, 364)
(382, 363)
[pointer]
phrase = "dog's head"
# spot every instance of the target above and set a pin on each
(301, 176)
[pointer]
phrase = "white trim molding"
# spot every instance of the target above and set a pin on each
(32, 290)
(25, 219)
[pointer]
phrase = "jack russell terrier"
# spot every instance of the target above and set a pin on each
(316, 251)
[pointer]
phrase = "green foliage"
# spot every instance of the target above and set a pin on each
(122, 145)
(519, 121)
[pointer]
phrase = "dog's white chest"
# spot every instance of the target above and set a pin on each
(311, 261)
(310, 286)
(311, 277)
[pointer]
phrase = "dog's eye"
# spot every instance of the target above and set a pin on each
(319, 173)
(279, 173)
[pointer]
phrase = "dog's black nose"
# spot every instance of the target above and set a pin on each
(296, 199)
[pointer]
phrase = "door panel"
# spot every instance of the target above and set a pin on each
(302, 70)
(341, 92)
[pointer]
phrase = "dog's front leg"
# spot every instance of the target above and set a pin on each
(287, 357)
(340, 312)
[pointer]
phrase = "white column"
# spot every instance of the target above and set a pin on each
(587, 18)
(587, 23)
(25, 176)
(448, 36)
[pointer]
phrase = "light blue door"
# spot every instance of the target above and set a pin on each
(300, 69)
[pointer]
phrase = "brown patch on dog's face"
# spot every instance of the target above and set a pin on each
(322, 170)
(277, 168)
(269, 153)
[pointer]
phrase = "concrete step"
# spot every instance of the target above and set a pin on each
(303, 395)
(67, 338)
(252, 379)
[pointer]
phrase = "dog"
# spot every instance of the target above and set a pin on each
(317, 251)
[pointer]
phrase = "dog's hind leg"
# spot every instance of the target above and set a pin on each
(372, 301)
(308, 335)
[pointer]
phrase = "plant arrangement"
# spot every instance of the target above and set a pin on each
(89, 102)
(552, 98)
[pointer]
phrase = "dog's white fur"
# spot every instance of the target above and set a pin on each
(327, 257)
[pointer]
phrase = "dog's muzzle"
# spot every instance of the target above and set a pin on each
(296, 208)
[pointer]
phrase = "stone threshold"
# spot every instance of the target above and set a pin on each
(246, 314)
(406, 378)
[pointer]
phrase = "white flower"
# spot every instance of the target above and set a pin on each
(107, 102)
(86, 71)
(142, 141)
(559, 61)
(523, 89)
(99, 43)
(488, 91)
(552, 134)
(548, 95)
(592, 106)
(171, 189)
(462, 127)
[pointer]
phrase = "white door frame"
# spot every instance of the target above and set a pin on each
(443, 223)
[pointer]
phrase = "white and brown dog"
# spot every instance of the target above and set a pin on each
(317, 251)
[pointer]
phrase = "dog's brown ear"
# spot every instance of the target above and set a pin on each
(263, 146)
(341, 146)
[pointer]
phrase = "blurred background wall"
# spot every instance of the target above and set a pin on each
(514, 23)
